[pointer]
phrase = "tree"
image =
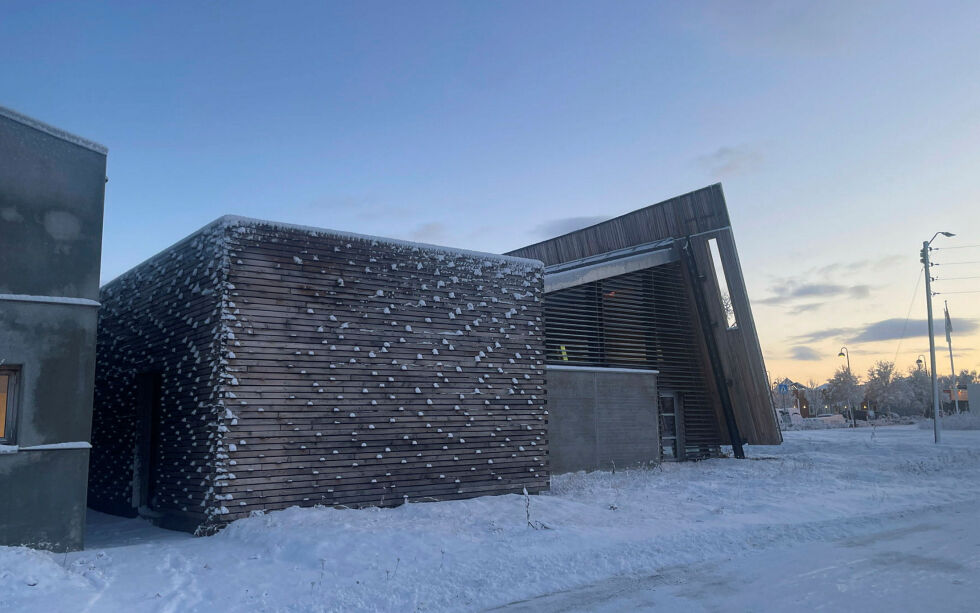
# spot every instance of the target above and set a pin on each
(966, 377)
(843, 388)
(885, 390)
(920, 386)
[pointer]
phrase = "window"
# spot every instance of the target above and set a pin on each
(8, 400)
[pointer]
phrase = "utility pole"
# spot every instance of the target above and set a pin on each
(936, 416)
(954, 390)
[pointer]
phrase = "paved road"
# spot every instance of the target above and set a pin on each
(923, 562)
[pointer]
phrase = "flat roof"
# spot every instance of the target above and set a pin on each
(53, 131)
(233, 221)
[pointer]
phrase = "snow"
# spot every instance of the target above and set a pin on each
(50, 299)
(235, 221)
(923, 562)
(53, 131)
(69, 445)
(782, 506)
(958, 421)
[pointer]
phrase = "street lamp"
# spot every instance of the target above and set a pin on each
(936, 414)
(844, 353)
(919, 362)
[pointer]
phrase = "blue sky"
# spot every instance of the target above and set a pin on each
(844, 133)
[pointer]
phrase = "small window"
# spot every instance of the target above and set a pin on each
(8, 399)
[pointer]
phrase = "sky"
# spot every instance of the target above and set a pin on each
(844, 134)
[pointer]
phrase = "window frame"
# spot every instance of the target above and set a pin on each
(13, 396)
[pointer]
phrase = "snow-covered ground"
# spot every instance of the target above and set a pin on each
(764, 517)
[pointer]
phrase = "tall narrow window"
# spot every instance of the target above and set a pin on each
(726, 294)
(8, 399)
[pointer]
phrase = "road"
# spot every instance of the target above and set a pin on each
(929, 561)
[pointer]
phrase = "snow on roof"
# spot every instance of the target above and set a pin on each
(53, 131)
(230, 221)
(234, 220)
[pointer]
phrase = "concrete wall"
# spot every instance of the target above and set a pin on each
(601, 417)
(51, 198)
(43, 502)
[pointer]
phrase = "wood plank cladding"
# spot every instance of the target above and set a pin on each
(162, 318)
(699, 211)
(359, 371)
(692, 219)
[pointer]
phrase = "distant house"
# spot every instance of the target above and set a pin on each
(51, 196)
(256, 366)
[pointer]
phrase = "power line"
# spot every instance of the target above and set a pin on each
(957, 247)
(955, 263)
(970, 292)
(954, 278)
(918, 279)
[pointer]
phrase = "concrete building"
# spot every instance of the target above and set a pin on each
(52, 186)
(256, 366)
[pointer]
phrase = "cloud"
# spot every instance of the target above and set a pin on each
(728, 161)
(564, 225)
(822, 335)
(802, 352)
(886, 330)
(805, 308)
(789, 28)
(431, 232)
(791, 290)
(894, 329)
(856, 266)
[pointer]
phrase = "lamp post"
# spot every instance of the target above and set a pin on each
(844, 353)
(920, 361)
(936, 413)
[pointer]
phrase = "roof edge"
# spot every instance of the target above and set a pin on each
(52, 130)
(230, 221)
(648, 206)
(235, 220)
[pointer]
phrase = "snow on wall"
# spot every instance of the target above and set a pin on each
(301, 366)
(164, 316)
(369, 372)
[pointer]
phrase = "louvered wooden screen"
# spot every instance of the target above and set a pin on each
(637, 320)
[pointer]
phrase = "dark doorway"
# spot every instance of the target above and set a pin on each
(148, 390)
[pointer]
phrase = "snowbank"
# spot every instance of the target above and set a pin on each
(959, 421)
(473, 554)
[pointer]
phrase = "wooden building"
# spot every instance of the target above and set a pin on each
(256, 366)
(658, 290)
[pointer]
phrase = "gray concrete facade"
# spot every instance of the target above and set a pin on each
(602, 418)
(52, 186)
